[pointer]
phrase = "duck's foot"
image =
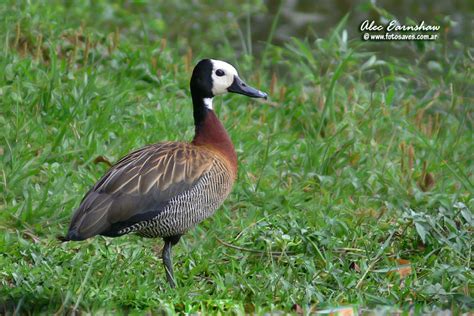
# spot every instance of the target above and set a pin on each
(167, 259)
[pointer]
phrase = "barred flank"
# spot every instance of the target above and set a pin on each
(189, 208)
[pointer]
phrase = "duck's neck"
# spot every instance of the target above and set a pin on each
(210, 132)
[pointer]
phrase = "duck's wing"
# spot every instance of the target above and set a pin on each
(138, 187)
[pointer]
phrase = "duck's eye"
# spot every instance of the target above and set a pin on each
(220, 72)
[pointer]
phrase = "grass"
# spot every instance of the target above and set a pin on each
(359, 171)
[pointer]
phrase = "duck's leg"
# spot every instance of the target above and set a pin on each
(167, 258)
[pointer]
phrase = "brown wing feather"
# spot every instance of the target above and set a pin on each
(138, 186)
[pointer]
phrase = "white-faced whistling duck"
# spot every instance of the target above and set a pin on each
(164, 189)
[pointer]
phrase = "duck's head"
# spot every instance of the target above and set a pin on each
(215, 77)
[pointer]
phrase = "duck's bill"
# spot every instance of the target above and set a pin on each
(238, 86)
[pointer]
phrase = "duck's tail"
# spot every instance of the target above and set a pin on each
(72, 235)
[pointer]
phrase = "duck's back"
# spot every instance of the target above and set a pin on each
(158, 191)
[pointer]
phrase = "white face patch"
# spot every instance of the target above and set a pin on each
(208, 103)
(220, 82)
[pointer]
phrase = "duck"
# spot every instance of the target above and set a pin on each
(165, 189)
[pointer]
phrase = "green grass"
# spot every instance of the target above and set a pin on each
(359, 160)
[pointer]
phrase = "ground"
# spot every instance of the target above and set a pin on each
(355, 179)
